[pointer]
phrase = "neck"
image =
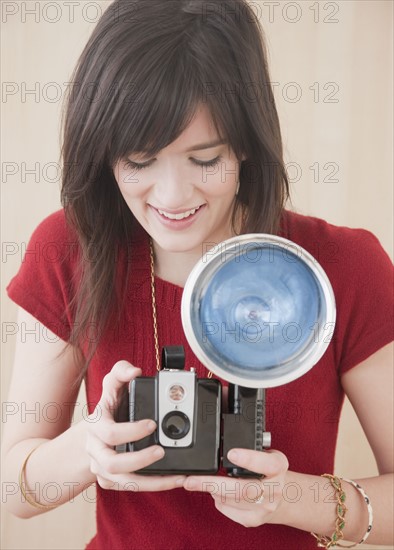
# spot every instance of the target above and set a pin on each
(175, 267)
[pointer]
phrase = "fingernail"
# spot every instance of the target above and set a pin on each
(158, 453)
(191, 483)
(151, 426)
(180, 481)
(233, 455)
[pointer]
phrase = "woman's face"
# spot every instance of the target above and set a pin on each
(185, 195)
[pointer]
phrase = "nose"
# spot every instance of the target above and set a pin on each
(172, 188)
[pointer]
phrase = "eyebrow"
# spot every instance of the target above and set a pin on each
(201, 146)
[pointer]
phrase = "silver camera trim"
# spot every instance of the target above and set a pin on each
(188, 380)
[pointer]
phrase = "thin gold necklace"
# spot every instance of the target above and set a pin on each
(154, 314)
(154, 310)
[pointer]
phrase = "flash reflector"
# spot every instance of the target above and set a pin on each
(258, 310)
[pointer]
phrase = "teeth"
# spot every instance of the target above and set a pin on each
(180, 216)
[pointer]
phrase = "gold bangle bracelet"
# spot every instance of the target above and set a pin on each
(328, 542)
(25, 490)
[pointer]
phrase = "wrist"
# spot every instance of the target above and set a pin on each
(283, 511)
(81, 433)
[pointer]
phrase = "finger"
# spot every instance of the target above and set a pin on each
(117, 433)
(136, 483)
(113, 383)
(122, 372)
(218, 485)
(110, 462)
(269, 463)
(245, 494)
(226, 489)
(241, 516)
(205, 484)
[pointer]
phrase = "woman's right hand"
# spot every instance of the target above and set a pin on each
(116, 470)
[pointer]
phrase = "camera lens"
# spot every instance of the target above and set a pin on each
(175, 425)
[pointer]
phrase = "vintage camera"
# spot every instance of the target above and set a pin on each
(255, 310)
(187, 411)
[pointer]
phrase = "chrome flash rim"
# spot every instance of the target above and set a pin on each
(210, 265)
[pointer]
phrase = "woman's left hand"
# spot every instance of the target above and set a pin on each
(235, 497)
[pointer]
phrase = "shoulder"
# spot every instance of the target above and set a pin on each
(54, 227)
(52, 254)
(54, 244)
(359, 269)
(48, 276)
(361, 274)
(310, 229)
(332, 244)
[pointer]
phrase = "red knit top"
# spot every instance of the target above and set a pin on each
(302, 415)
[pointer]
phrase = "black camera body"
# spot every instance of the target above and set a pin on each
(191, 428)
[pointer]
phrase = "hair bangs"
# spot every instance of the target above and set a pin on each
(166, 104)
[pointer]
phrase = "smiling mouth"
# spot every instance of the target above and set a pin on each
(179, 215)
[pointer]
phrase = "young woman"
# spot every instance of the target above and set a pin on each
(156, 150)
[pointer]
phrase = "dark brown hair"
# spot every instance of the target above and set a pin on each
(145, 69)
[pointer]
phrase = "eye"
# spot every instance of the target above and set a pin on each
(208, 163)
(134, 166)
